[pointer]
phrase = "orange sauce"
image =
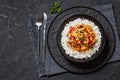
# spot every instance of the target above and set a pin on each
(81, 37)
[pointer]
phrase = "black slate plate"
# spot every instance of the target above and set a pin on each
(103, 39)
(80, 67)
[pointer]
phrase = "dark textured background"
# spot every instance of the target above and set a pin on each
(16, 53)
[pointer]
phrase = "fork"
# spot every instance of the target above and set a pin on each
(41, 20)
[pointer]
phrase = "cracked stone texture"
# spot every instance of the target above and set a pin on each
(16, 53)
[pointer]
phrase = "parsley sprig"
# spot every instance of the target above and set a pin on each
(55, 8)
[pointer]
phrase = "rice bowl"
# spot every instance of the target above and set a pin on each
(77, 54)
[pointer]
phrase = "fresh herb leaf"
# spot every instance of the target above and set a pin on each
(51, 8)
(55, 8)
(59, 10)
(56, 4)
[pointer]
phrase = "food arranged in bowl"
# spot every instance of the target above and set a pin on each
(81, 38)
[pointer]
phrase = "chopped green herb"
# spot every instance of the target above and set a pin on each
(81, 38)
(96, 40)
(56, 4)
(55, 8)
(84, 44)
(81, 31)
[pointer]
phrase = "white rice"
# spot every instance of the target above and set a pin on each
(78, 54)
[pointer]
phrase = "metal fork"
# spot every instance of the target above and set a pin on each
(41, 20)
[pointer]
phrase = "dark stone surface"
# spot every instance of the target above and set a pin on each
(16, 53)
